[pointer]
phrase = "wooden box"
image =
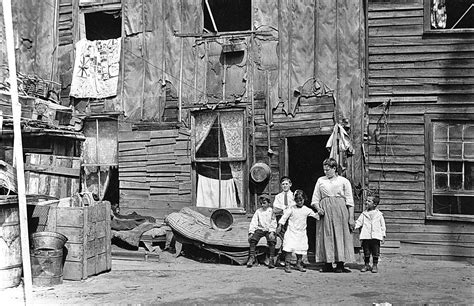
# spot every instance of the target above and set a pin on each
(88, 249)
(57, 176)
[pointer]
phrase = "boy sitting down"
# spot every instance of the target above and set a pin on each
(263, 224)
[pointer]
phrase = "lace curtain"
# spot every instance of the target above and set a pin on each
(232, 128)
(202, 127)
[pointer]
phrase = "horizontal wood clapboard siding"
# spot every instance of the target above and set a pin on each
(154, 171)
(419, 74)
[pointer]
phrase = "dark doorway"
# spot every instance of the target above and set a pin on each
(305, 158)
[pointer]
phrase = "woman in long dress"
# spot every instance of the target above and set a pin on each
(332, 199)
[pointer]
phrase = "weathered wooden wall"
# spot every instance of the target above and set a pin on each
(418, 74)
(154, 171)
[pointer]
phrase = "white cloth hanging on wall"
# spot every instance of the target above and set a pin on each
(96, 69)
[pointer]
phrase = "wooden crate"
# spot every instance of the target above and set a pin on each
(57, 176)
(89, 236)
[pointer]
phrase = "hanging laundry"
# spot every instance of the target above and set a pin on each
(96, 69)
(339, 142)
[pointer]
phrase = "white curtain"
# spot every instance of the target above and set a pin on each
(206, 195)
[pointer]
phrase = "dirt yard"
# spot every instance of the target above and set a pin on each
(401, 280)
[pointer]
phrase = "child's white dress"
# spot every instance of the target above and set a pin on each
(295, 239)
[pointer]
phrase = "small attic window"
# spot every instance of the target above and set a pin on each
(103, 25)
(227, 15)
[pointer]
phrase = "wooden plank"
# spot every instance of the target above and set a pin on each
(164, 134)
(389, 185)
(390, 13)
(397, 176)
(160, 149)
(128, 146)
(161, 141)
(133, 136)
(467, 239)
(391, 58)
(134, 185)
(52, 169)
(449, 227)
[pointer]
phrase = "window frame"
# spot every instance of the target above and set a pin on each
(245, 182)
(429, 119)
(427, 23)
(207, 8)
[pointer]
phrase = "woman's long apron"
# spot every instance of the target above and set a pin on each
(333, 238)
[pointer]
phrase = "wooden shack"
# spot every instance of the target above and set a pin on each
(207, 89)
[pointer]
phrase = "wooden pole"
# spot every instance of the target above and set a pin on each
(18, 152)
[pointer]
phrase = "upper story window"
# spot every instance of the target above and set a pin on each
(449, 16)
(227, 15)
(451, 168)
(103, 25)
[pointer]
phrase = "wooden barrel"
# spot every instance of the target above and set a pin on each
(47, 267)
(10, 244)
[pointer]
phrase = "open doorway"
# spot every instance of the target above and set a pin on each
(305, 158)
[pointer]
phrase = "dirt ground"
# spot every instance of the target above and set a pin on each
(401, 280)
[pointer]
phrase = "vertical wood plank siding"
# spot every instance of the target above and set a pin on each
(420, 74)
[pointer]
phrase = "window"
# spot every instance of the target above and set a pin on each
(451, 168)
(449, 16)
(219, 156)
(226, 15)
(103, 25)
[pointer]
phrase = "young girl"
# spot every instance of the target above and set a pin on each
(295, 239)
(372, 233)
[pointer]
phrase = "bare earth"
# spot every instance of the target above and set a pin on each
(401, 280)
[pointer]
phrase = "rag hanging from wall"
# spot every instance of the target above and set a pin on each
(96, 69)
(339, 143)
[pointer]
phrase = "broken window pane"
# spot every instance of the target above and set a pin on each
(227, 15)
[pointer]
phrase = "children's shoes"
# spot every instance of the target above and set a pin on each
(250, 262)
(375, 269)
(366, 268)
(271, 263)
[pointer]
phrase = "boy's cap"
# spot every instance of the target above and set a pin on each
(264, 196)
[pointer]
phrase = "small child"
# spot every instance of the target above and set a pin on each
(295, 239)
(263, 224)
(372, 232)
